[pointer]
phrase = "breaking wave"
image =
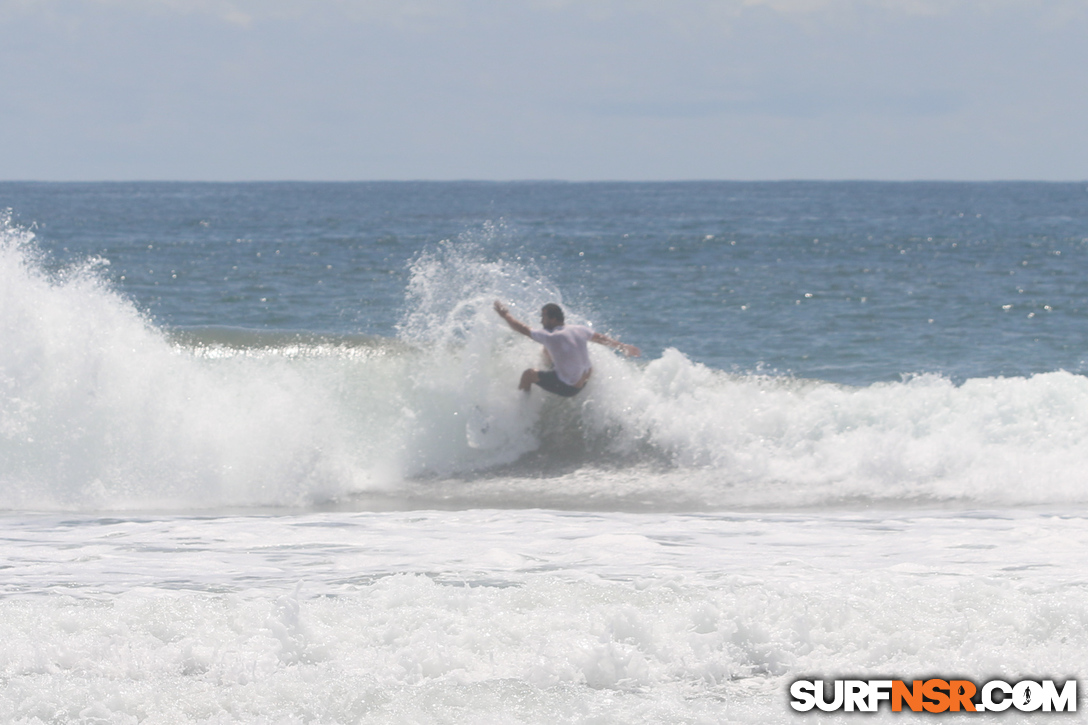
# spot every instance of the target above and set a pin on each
(102, 409)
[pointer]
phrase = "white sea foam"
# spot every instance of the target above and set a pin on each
(100, 409)
(519, 617)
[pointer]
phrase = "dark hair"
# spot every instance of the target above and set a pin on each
(553, 311)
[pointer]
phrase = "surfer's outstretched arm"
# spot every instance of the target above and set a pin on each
(515, 324)
(628, 350)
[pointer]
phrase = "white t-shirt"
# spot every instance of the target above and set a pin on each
(567, 347)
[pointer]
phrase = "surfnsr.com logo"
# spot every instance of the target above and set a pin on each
(934, 695)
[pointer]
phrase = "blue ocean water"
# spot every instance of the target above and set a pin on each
(263, 459)
(846, 282)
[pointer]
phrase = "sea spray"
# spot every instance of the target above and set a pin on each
(728, 439)
(466, 411)
(757, 440)
(453, 284)
(102, 409)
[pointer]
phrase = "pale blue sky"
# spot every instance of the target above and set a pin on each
(548, 89)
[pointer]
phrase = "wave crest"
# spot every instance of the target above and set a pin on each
(100, 409)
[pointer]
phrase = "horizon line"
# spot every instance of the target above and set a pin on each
(548, 181)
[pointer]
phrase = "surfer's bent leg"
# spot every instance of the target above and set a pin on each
(528, 377)
(550, 381)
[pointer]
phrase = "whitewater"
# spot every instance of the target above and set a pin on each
(210, 517)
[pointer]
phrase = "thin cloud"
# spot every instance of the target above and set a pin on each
(797, 104)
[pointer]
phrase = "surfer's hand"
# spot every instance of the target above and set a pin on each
(514, 324)
(631, 351)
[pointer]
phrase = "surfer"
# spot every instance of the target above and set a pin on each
(565, 345)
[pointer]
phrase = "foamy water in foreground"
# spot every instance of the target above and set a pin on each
(520, 616)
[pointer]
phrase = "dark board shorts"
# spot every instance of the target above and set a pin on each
(548, 380)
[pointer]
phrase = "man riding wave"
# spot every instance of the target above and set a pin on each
(566, 346)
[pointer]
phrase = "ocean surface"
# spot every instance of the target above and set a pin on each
(263, 458)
